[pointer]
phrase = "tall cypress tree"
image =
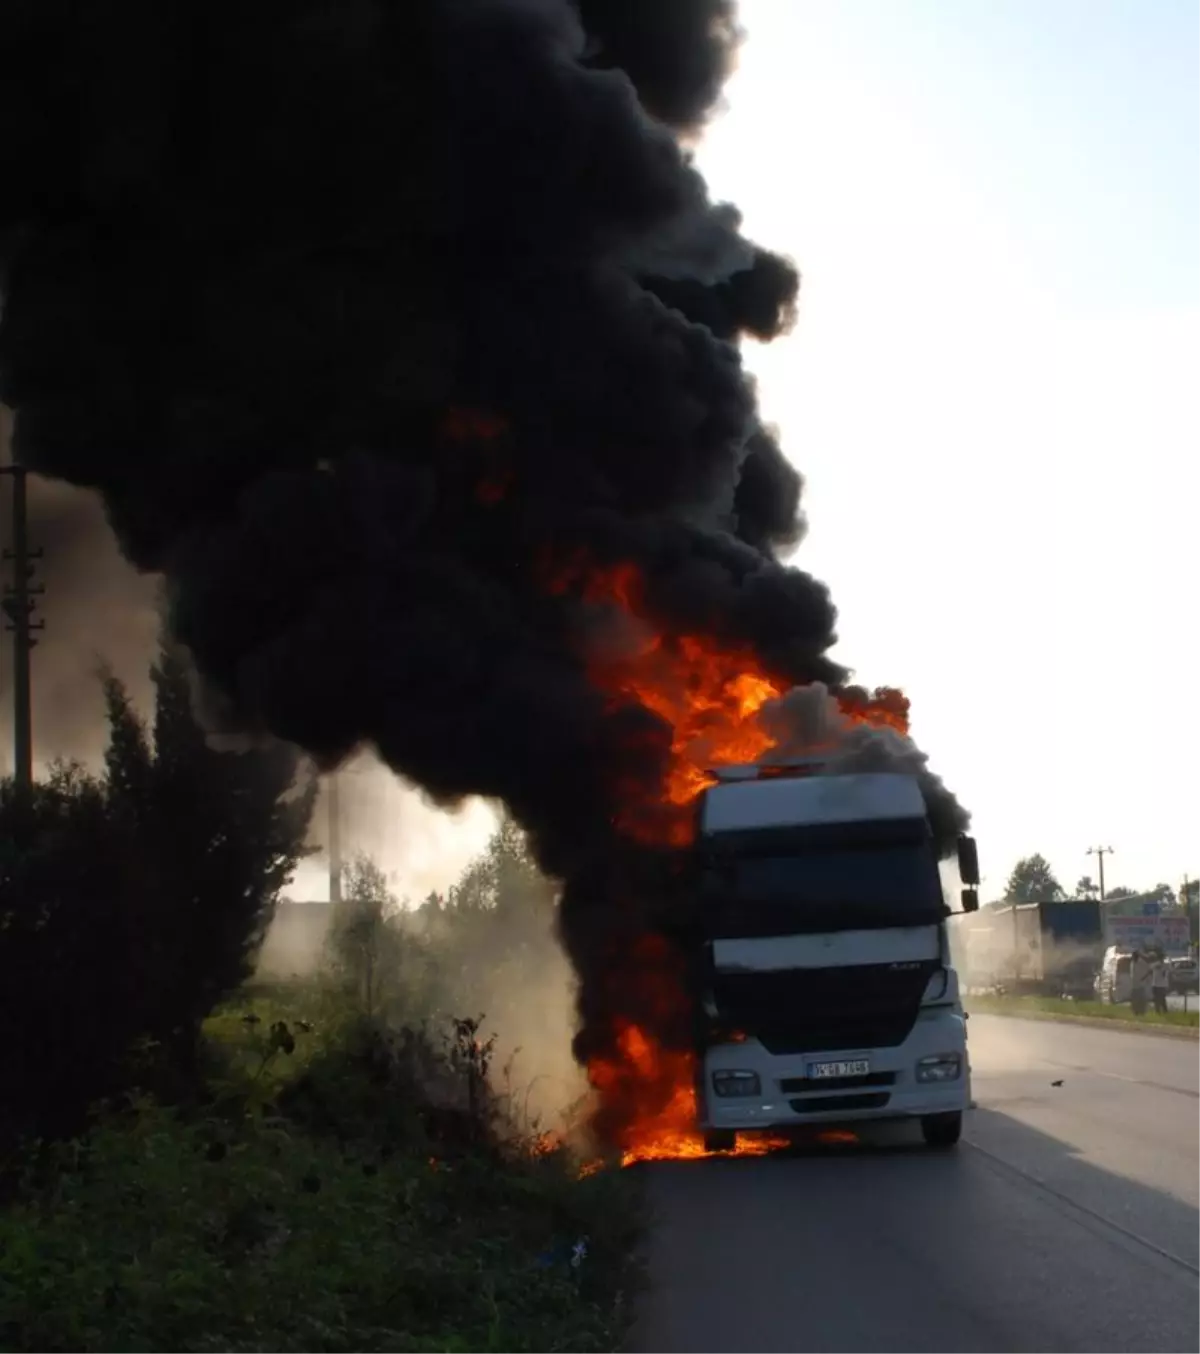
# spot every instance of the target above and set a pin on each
(136, 901)
(219, 835)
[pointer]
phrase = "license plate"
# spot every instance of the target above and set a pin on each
(854, 1067)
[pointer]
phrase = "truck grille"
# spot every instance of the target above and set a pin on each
(834, 1038)
(827, 1104)
(824, 1010)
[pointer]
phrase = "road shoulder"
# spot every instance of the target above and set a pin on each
(1094, 1022)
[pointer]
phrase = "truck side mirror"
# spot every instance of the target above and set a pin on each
(968, 860)
(970, 900)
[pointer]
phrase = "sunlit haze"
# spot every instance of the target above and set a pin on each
(420, 846)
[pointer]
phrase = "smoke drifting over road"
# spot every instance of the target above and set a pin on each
(367, 320)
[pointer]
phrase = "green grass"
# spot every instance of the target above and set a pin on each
(239, 1032)
(1060, 1007)
(255, 1224)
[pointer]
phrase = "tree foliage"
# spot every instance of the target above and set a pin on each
(376, 960)
(1189, 903)
(478, 947)
(222, 832)
(495, 931)
(66, 1017)
(1165, 896)
(1162, 894)
(1033, 881)
(136, 900)
(1121, 891)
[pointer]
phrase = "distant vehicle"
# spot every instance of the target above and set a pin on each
(1114, 982)
(1184, 976)
(1047, 949)
(830, 993)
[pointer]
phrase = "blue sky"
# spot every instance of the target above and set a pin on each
(1077, 120)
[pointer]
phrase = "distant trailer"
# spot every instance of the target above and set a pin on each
(1050, 948)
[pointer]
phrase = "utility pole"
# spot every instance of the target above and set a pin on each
(335, 840)
(19, 603)
(1016, 944)
(1100, 852)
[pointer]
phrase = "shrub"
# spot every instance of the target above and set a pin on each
(251, 1231)
(131, 904)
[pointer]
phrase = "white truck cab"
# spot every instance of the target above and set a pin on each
(830, 994)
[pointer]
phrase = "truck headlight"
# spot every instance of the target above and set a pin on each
(936, 988)
(736, 1083)
(939, 1067)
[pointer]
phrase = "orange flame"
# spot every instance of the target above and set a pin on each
(483, 429)
(662, 1080)
(709, 695)
(471, 425)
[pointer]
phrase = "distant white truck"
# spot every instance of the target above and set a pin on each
(830, 995)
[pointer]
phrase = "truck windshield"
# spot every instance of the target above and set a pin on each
(842, 887)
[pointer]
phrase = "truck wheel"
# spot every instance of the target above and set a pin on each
(719, 1140)
(941, 1130)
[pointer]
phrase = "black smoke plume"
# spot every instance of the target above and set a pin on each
(358, 315)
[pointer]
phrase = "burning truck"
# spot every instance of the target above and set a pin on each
(830, 991)
(792, 965)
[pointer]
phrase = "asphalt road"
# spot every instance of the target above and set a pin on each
(1066, 1220)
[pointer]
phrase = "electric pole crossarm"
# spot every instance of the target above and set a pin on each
(1100, 852)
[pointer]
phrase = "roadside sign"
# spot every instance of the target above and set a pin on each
(1130, 932)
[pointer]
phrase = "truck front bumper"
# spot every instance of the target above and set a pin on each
(790, 1097)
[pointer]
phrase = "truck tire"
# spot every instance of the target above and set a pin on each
(942, 1131)
(719, 1139)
